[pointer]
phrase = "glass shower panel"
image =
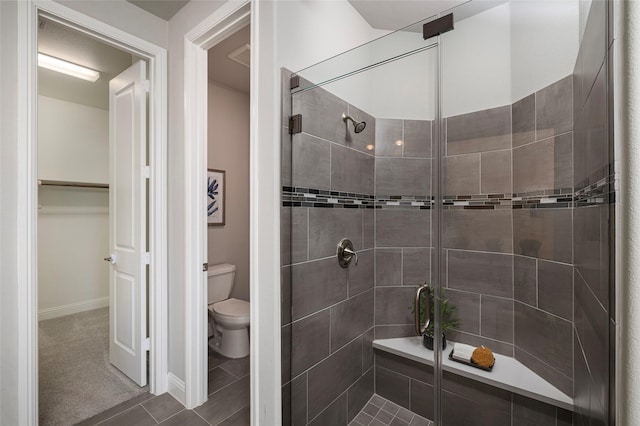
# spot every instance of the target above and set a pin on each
(359, 169)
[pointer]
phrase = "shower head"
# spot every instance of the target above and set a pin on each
(357, 126)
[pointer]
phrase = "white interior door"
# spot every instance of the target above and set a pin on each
(128, 342)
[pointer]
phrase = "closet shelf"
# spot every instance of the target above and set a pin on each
(46, 182)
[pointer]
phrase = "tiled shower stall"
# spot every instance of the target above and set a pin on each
(527, 204)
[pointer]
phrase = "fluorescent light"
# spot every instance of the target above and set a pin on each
(55, 64)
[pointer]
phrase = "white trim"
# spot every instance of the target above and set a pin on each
(27, 190)
(72, 308)
(176, 388)
(75, 211)
(232, 16)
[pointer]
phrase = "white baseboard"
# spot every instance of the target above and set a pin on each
(73, 308)
(177, 389)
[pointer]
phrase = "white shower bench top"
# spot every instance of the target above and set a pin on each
(508, 373)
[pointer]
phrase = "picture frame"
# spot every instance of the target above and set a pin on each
(216, 181)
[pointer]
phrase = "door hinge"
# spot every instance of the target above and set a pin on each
(205, 267)
(146, 344)
(146, 172)
(147, 86)
(147, 258)
(437, 27)
(295, 124)
(294, 82)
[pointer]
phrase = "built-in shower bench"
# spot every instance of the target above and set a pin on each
(508, 373)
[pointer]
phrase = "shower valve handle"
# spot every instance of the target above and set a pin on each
(352, 253)
(346, 253)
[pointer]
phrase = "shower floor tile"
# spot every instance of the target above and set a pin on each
(381, 412)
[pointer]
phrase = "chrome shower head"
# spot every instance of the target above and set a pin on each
(357, 126)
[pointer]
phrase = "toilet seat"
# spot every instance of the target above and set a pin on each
(231, 308)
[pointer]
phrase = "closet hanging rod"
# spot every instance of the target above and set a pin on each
(74, 184)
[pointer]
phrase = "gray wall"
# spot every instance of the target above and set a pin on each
(228, 150)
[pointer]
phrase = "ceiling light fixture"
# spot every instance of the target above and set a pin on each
(55, 64)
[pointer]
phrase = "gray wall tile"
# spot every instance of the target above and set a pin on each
(361, 276)
(285, 351)
(285, 157)
(322, 114)
(480, 131)
(388, 132)
(524, 120)
(475, 340)
(486, 273)
(285, 294)
(596, 141)
(582, 396)
(333, 376)
(391, 331)
(486, 230)
(416, 268)
(311, 162)
(495, 173)
(309, 341)
(392, 386)
(462, 174)
(328, 226)
(543, 233)
(555, 288)
(591, 251)
(529, 412)
(525, 280)
(393, 305)
(421, 401)
(483, 404)
(554, 109)
(417, 138)
(388, 267)
(368, 229)
(350, 319)
(467, 309)
(403, 228)
(594, 43)
(299, 400)
(316, 285)
(293, 234)
(403, 176)
(359, 394)
(351, 171)
(543, 165)
(592, 324)
(404, 366)
(367, 349)
(497, 318)
(334, 414)
(544, 336)
(367, 137)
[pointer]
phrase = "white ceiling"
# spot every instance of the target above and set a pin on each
(224, 70)
(164, 9)
(70, 45)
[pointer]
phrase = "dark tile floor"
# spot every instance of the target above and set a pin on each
(228, 403)
(382, 412)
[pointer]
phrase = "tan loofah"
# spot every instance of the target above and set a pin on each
(483, 357)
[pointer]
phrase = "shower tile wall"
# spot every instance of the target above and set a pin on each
(594, 311)
(327, 311)
(402, 221)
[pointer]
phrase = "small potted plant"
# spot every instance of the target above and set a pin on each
(448, 318)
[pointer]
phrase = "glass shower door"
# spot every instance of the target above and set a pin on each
(357, 157)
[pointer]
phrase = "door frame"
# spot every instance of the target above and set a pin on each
(225, 21)
(27, 207)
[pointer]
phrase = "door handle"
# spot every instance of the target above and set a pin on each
(346, 253)
(111, 259)
(420, 328)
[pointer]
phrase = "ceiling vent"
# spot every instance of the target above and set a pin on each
(241, 55)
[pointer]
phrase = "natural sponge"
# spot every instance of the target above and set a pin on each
(483, 357)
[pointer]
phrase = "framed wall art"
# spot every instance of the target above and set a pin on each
(215, 197)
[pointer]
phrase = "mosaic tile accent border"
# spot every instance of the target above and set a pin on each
(601, 192)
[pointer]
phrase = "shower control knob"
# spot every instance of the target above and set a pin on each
(346, 253)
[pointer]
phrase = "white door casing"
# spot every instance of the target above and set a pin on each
(127, 223)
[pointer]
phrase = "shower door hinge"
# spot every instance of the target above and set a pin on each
(437, 27)
(146, 345)
(294, 82)
(295, 124)
(147, 258)
(205, 267)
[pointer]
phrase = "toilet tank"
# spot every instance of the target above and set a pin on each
(220, 282)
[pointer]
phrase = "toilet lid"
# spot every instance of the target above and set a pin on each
(232, 307)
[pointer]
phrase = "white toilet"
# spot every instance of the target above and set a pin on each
(228, 318)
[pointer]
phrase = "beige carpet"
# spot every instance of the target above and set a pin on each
(76, 380)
